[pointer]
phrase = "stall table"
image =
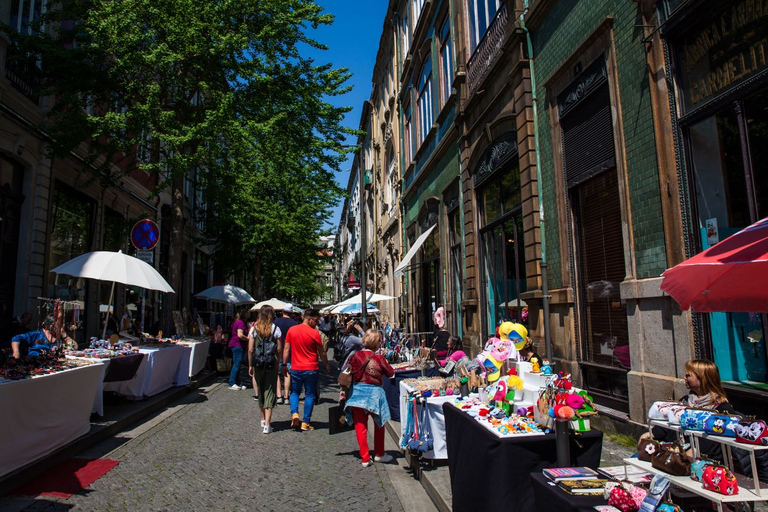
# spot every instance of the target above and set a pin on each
(392, 387)
(198, 356)
(161, 369)
(493, 473)
(436, 421)
(115, 369)
(44, 413)
(550, 498)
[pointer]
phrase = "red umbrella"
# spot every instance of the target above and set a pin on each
(729, 276)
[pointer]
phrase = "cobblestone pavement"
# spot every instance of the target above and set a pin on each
(212, 455)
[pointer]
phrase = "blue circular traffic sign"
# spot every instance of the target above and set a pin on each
(145, 235)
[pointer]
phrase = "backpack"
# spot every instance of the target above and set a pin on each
(340, 350)
(265, 352)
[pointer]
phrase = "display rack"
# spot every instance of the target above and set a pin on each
(747, 492)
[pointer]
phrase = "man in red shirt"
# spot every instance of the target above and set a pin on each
(303, 345)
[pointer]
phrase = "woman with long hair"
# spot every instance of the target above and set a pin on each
(237, 344)
(264, 345)
(367, 397)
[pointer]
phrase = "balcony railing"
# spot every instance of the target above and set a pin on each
(487, 49)
(20, 73)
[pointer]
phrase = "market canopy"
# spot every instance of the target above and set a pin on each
(227, 294)
(729, 276)
(355, 309)
(370, 297)
(412, 251)
(276, 304)
(115, 267)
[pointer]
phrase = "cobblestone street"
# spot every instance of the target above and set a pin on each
(212, 455)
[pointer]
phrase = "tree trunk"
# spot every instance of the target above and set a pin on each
(256, 281)
(175, 251)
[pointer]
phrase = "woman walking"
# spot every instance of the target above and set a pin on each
(367, 397)
(264, 344)
(237, 345)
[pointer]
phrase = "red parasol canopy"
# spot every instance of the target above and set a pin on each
(729, 276)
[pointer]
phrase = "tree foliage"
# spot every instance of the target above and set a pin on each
(220, 89)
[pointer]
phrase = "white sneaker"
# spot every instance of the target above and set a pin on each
(235, 387)
(267, 429)
(367, 464)
(384, 458)
(263, 423)
(242, 387)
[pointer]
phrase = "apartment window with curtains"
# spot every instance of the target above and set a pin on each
(446, 61)
(481, 14)
(424, 101)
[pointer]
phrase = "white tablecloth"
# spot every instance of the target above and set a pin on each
(98, 400)
(161, 369)
(42, 414)
(199, 355)
(436, 421)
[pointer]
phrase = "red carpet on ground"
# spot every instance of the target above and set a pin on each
(68, 478)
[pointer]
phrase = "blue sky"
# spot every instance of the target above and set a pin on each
(352, 41)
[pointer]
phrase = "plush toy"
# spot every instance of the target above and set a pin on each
(574, 401)
(564, 412)
(535, 365)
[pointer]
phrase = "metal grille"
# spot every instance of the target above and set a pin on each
(588, 138)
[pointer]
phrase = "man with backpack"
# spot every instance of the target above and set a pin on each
(348, 343)
(304, 345)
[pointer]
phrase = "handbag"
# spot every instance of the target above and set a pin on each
(624, 496)
(337, 421)
(647, 448)
(669, 507)
(675, 414)
(672, 459)
(721, 425)
(660, 410)
(694, 419)
(697, 468)
(345, 378)
(751, 431)
(719, 479)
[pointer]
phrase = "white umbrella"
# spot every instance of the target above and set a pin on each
(370, 297)
(356, 309)
(227, 294)
(116, 267)
(276, 304)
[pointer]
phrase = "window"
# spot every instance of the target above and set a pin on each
(407, 135)
(392, 182)
(455, 235)
(417, 7)
(25, 13)
(481, 14)
(424, 100)
(446, 62)
(405, 27)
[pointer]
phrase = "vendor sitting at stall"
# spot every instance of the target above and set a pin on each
(32, 343)
(528, 352)
(455, 353)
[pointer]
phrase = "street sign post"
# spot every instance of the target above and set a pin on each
(146, 256)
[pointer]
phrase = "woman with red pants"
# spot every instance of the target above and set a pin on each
(367, 398)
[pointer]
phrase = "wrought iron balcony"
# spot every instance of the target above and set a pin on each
(487, 49)
(20, 73)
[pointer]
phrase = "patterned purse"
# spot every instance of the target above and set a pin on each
(752, 432)
(624, 496)
(647, 448)
(672, 459)
(697, 468)
(719, 479)
(660, 410)
(668, 507)
(694, 419)
(721, 425)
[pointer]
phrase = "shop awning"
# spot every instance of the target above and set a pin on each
(412, 251)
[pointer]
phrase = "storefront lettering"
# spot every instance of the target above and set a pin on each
(736, 68)
(732, 22)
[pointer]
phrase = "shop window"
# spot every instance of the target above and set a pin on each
(503, 245)
(730, 194)
(424, 100)
(446, 61)
(481, 14)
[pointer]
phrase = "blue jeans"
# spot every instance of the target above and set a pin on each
(308, 379)
(237, 358)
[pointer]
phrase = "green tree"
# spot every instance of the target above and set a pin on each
(217, 88)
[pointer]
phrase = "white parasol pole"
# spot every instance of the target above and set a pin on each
(109, 305)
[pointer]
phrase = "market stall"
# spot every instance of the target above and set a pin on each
(392, 386)
(498, 468)
(164, 366)
(198, 353)
(44, 413)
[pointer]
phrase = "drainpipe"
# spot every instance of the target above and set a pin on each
(544, 285)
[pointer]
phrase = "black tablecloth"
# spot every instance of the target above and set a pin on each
(123, 367)
(392, 388)
(493, 473)
(550, 498)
